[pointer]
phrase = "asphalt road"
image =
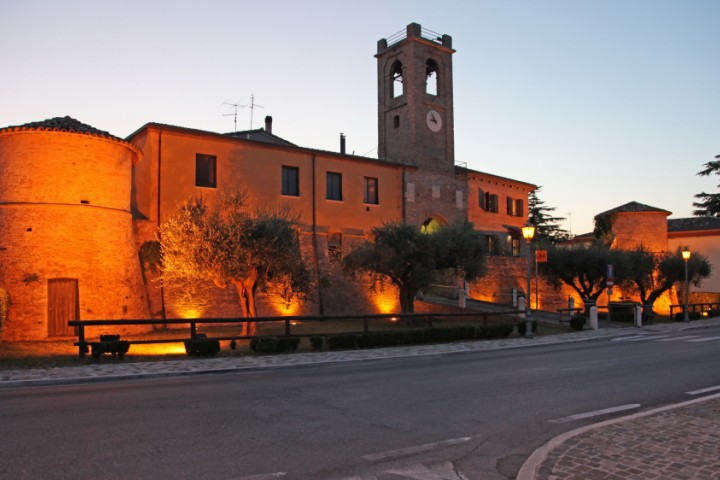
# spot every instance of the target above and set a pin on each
(473, 415)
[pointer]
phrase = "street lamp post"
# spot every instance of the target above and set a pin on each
(686, 256)
(528, 232)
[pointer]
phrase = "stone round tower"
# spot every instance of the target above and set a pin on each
(66, 237)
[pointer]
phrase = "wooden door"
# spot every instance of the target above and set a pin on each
(63, 306)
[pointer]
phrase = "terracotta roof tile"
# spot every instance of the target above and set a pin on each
(633, 207)
(693, 224)
(62, 124)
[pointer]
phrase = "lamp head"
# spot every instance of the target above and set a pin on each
(686, 254)
(528, 231)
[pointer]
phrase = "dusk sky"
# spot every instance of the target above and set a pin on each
(599, 102)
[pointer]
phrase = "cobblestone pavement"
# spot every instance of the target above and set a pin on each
(680, 442)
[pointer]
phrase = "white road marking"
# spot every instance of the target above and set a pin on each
(596, 413)
(704, 339)
(373, 457)
(264, 476)
(421, 472)
(704, 390)
(672, 339)
(440, 471)
(634, 338)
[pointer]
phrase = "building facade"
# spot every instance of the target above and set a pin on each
(126, 188)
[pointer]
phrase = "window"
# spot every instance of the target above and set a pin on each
(334, 247)
(334, 186)
(431, 70)
(396, 121)
(290, 181)
(396, 82)
(491, 202)
(481, 198)
(515, 246)
(514, 207)
(205, 174)
(492, 245)
(371, 191)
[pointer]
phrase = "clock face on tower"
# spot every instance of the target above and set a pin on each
(433, 120)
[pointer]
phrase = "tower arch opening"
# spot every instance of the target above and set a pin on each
(396, 79)
(431, 77)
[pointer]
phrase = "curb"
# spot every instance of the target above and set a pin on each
(315, 360)
(534, 462)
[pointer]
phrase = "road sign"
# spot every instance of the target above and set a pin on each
(610, 275)
(541, 256)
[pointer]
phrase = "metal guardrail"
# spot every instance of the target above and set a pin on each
(82, 325)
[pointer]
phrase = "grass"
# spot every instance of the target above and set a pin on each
(62, 353)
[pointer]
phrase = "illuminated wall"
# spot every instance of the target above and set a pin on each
(65, 214)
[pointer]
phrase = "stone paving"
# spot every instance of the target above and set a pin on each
(680, 442)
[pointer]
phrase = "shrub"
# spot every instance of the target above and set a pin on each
(115, 347)
(202, 347)
(494, 331)
(347, 340)
(577, 322)
(622, 312)
(415, 337)
(317, 342)
(691, 315)
(274, 344)
(380, 339)
(522, 327)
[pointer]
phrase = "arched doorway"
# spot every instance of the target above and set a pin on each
(432, 225)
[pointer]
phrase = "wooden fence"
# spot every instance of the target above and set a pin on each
(415, 318)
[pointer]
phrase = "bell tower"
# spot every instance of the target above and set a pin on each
(415, 99)
(415, 124)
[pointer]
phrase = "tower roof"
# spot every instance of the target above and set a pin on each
(633, 207)
(62, 124)
(70, 125)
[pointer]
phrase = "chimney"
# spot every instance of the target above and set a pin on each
(342, 143)
(268, 124)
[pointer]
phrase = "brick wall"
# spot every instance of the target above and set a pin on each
(64, 213)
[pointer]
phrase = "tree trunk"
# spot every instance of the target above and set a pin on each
(407, 301)
(246, 297)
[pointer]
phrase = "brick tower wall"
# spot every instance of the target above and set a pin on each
(65, 213)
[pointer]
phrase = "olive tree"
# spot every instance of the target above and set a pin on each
(409, 259)
(583, 268)
(227, 242)
(653, 274)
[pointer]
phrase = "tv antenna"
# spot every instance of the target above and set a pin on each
(236, 106)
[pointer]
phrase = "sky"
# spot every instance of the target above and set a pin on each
(600, 102)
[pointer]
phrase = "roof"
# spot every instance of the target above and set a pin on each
(693, 224)
(61, 124)
(261, 135)
(70, 125)
(461, 168)
(264, 138)
(634, 207)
